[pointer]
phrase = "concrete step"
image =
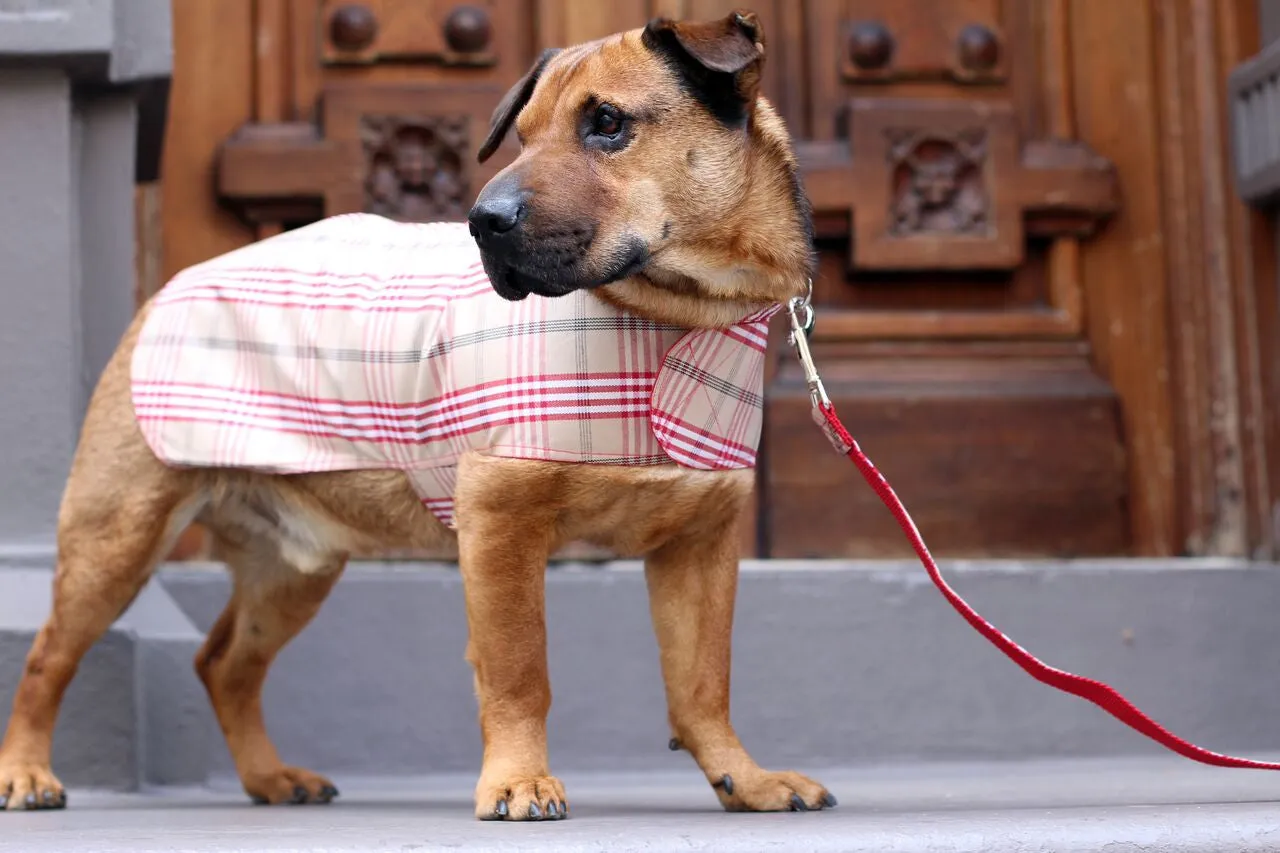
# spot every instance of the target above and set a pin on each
(1152, 805)
(134, 713)
(835, 663)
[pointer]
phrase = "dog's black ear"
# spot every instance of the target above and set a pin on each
(512, 103)
(719, 62)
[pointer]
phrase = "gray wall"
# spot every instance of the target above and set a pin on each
(107, 127)
(39, 326)
(70, 72)
(68, 122)
(66, 248)
(1269, 18)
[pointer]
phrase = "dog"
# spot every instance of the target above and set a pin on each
(654, 187)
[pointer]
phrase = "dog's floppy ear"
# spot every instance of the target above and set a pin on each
(512, 103)
(718, 61)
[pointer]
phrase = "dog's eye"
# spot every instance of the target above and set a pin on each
(607, 121)
(604, 128)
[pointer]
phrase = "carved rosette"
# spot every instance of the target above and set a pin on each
(951, 185)
(938, 184)
(413, 166)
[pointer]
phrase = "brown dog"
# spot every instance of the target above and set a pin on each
(677, 187)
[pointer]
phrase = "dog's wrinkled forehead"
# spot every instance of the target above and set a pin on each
(617, 70)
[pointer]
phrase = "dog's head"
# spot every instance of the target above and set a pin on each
(650, 168)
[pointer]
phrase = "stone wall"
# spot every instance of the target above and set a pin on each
(72, 75)
(70, 72)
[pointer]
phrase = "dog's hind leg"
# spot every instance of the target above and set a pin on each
(270, 603)
(121, 510)
(692, 581)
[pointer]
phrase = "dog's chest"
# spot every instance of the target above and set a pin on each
(360, 343)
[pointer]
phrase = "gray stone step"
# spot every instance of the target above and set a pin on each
(1152, 805)
(834, 664)
(134, 713)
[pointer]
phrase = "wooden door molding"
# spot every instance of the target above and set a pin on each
(1064, 188)
(403, 151)
(1222, 300)
(881, 41)
(961, 191)
(360, 32)
(961, 184)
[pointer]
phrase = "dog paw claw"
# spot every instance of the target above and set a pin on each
(291, 785)
(762, 791)
(532, 798)
(725, 784)
(30, 787)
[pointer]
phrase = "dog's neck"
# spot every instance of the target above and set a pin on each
(677, 299)
(684, 288)
(687, 291)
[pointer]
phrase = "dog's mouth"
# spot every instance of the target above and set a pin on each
(514, 285)
(514, 281)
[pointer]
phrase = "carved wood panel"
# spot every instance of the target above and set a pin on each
(402, 151)
(415, 165)
(947, 184)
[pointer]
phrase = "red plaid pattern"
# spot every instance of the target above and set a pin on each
(358, 343)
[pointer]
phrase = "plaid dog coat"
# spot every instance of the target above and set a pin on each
(358, 342)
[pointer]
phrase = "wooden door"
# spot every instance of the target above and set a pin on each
(959, 212)
(1031, 270)
(1035, 284)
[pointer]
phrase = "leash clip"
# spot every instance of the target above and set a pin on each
(800, 313)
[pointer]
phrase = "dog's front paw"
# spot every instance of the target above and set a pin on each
(291, 785)
(28, 787)
(762, 791)
(525, 798)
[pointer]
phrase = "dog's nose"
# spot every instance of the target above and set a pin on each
(498, 218)
(496, 213)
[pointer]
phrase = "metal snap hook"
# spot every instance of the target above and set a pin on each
(801, 310)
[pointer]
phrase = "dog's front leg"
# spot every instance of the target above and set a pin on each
(692, 582)
(504, 542)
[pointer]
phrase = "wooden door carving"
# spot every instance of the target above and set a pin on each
(401, 92)
(403, 151)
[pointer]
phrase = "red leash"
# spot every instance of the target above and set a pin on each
(1102, 695)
